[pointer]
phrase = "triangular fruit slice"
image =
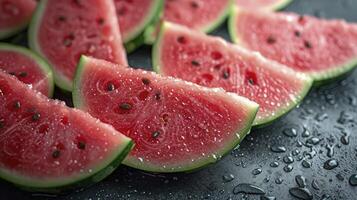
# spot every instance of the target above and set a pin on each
(61, 31)
(27, 67)
(134, 17)
(263, 4)
(14, 16)
(323, 49)
(177, 126)
(212, 62)
(46, 146)
(203, 15)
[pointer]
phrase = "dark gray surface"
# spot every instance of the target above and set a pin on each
(319, 113)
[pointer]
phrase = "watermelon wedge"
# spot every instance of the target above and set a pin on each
(203, 15)
(46, 146)
(323, 49)
(212, 62)
(177, 126)
(14, 16)
(134, 17)
(27, 67)
(263, 4)
(61, 31)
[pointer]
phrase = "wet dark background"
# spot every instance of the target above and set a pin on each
(301, 143)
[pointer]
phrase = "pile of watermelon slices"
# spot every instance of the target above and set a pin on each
(204, 98)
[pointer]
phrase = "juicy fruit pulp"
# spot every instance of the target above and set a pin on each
(14, 16)
(62, 31)
(204, 15)
(45, 145)
(262, 4)
(27, 67)
(134, 17)
(322, 49)
(176, 125)
(212, 62)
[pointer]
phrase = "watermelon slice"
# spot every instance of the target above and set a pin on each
(134, 17)
(263, 4)
(46, 146)
(323, 49)
(203, 15)
(27, 67)
(14, 16)
(210, 61)
(176, 125)
(61, 31)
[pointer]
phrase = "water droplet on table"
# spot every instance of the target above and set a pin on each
(248, 189)
(330, 164)
(301, 193)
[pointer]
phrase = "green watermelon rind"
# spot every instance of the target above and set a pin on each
(6, 33)
(102, 171)
(306, 80)
(150, 39)
(60, 80)
(220, 19)
(138, 37)
(280, 4)
(99, 172)
(79, 102)
(45, 68)
(319, 78)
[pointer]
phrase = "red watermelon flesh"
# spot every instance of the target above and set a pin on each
(62, 31)
(321, 48)
(134, 16)
(259, 4)
(204, 15)
(15, 15)
(27, 67)
(212, 62)
(176, 125)
(46, 146)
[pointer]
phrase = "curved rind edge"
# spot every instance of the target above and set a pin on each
(44, 66)
(212, 26)
(140, 37)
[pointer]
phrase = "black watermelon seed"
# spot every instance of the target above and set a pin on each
(36, 116)
(251, 81)
(308, 44)
(271, 40)
(157, 95)
(56, 153)
(2, 123)
(195, 63)
(62, 18)
(297, 33)
(17, 105)
(125, 106)
(194, 4)
(22, 74)
(12, 73)
(155, 134)
(100, 21)
(182, 40)
(81, 145)
(225, 75)
(145, 81)
(110, 87)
